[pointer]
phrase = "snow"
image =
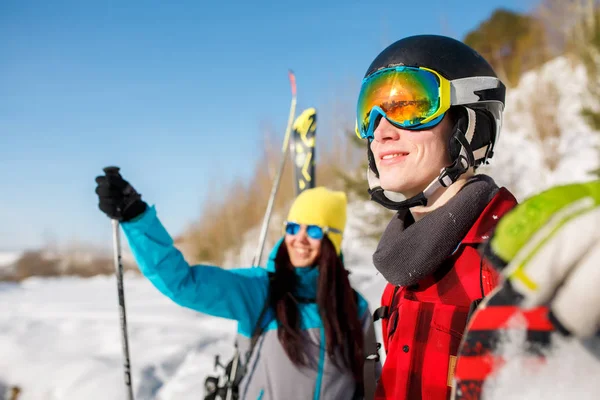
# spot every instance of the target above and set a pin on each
(554, 94)
(8, 258)
(60, 337)
(571, 370)
(7, 262)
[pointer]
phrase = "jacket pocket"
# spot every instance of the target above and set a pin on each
(447, 327)
(450, 319)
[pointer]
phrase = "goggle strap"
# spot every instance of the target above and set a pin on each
(465, 150)
(472, 121)
(463, 90)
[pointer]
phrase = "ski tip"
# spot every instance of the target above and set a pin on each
(292, 81)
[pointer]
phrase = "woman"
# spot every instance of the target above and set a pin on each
(430, 109)
(311, 323)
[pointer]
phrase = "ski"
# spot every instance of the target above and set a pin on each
(275, 187)
(212, 388)
(303, 150)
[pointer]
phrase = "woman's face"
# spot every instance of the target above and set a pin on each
(303, 249)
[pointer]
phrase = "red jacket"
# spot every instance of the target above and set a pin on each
(425, 322)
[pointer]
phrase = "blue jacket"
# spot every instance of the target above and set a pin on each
(240, 294)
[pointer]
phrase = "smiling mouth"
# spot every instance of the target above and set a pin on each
(392, 156)
(302, 252)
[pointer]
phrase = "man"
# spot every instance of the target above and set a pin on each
(431, 109)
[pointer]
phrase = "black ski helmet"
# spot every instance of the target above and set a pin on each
(478, 105)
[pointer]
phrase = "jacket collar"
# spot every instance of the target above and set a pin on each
(502, 202)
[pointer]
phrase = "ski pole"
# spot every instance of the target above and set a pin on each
(266, 219)
(233, 374)
(121, 294)
(275, 187)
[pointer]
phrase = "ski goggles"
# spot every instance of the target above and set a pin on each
(313, 231)
(408, 97)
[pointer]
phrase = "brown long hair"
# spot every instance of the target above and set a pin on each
(338, 308)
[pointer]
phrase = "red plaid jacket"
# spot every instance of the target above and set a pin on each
(423, 324)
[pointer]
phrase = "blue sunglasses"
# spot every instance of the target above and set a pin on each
(313, 231)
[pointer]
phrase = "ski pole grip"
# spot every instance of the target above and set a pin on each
(111, 170)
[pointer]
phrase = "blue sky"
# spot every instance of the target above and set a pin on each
(170, 91)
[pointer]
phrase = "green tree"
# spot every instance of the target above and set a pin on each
(511, 42)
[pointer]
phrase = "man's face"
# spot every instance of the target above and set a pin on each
(409, 160)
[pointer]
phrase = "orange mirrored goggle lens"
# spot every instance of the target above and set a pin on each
(405, 95)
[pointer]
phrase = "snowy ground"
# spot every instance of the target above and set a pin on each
(8, 258)
(7, 261)
(60, 339)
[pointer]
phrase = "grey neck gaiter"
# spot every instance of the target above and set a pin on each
(409, 251)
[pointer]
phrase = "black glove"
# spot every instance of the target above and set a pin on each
(117, 198)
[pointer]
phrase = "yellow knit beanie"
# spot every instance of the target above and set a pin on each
(323, 207)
